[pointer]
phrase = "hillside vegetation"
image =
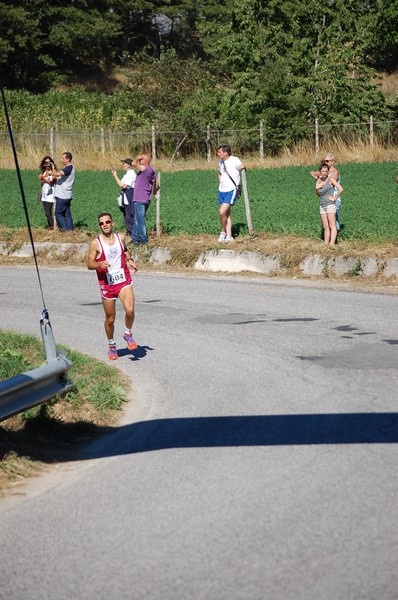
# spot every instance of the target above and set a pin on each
(182, 65)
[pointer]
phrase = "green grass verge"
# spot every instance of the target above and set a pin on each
(282, 201)
(46, 433)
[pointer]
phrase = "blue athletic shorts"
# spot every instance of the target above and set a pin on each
(227, 197)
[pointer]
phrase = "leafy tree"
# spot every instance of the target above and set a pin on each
(42, 43)
(162, 87)
(136, 28)
(290, 62)
(20, 44)
(340, 84)
(385, 42)
(155, 24)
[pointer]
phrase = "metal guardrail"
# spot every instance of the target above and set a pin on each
(28, 389)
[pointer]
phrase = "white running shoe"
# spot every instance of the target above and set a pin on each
(228, 239)
(222, 236)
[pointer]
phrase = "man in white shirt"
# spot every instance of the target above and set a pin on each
(229, 169)
(126, 183)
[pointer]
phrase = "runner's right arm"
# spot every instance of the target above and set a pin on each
(93, 253)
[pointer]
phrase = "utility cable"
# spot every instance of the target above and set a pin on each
(45, 312)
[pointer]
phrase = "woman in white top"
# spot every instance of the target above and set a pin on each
(47, 178)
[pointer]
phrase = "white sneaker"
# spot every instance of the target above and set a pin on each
(222, 236)
(228, 239)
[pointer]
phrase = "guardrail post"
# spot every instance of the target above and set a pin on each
(50, 350)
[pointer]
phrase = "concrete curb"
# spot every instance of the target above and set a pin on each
(25, 250)
(234, 262)
(230, 261)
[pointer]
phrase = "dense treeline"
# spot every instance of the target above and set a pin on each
(235, 62)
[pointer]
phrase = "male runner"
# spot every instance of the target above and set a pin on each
(109, 256)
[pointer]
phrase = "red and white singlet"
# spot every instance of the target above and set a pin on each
(117, 275)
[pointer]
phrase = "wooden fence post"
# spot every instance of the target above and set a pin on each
(56, 144)
(247, 202)
(316, 137)
(371, 132)
(157, 196)
(153, 143)
(261, 141)
(52, 153)
(208, 144)
(102, 142)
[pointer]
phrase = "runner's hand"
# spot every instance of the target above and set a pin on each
(104, 264)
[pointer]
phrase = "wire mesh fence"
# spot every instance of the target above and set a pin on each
(199, 144)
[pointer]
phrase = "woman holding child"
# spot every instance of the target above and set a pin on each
(325, 188)
(47, 179)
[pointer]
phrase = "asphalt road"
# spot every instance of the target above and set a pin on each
(257, 459)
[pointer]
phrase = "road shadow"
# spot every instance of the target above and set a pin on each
(258, 430)
(80, 441)
(136, 354)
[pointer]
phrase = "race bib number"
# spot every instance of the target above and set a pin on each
(115, 276)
